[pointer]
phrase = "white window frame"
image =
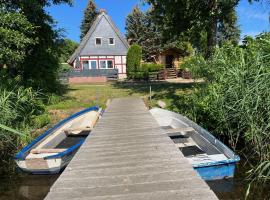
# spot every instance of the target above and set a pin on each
(90, 64)
(106, 61)
(100, 41)
(113, 41)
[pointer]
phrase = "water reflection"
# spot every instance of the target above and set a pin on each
(236, 188)
(17, 186)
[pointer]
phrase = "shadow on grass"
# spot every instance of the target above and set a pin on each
(160, 90)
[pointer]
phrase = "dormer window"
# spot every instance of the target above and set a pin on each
(111, 41)
(98, 41)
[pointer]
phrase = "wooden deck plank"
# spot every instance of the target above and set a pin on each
(128, 156)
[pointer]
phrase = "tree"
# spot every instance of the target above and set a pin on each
(16, 36)
(189, 19)
(218, 16)
(134, 57)
(40, 65)
(66, 49)
(90, 14)
(228, 30)
(142, 30)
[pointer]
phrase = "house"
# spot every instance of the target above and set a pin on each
(170, 58)
(101, 55)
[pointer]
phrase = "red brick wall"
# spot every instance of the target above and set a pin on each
(78, 80)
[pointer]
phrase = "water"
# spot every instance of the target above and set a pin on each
(236, 188)
(19, 186)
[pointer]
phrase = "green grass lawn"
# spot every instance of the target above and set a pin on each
(78, 97)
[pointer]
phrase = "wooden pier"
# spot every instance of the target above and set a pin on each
(129, 157)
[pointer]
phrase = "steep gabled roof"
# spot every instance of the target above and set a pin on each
(91, 31)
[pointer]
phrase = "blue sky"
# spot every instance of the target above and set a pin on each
(252, 18)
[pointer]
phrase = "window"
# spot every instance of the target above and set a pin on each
(98, 41)
(85, 64)
(111, 41)
(93, 64)
(110, 64)
(106, 64)
(103, 64)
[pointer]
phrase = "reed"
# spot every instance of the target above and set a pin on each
(18, 105)
(235, 103)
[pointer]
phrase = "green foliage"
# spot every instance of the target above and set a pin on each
(66, 49)
(18, 104)
(235, 103)
(145, 70)
(196, 63)
(190, 20)
(16, 36)
(134, 57)
(41, 120)
(137, 23)
(151, 67)
(39, 66)
(90, 14)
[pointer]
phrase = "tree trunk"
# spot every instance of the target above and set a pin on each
(212, 28)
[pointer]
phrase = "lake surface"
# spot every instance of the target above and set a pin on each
(236, 188)
(19, 186)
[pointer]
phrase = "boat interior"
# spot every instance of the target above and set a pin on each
(193, 146)
(197, 145)
(66, 136)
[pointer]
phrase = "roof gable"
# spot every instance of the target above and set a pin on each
(103, 27)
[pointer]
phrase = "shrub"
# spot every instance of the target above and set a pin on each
(134, 57)
(196, 64)
(151, 67)
(138, 75)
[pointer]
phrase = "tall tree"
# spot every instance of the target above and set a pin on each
(142, 30)
(228, 29)
(40, 65)
(90, 14)
(189, 19)
(219, 14)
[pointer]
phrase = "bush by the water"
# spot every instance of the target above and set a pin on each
(235, 101)
(18, 106)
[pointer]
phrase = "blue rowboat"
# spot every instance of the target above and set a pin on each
(211, 158)
(53, 150)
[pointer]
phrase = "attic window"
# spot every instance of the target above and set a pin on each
(98, 41)
(111, 41)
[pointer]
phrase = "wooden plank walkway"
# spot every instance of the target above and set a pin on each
(128, 156)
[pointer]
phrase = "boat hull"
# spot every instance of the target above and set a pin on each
(216, 172)
(45, 166)
(208, 170)
(51, 163)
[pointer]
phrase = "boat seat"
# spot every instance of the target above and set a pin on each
(175, 131)
(82, 133)
(41, 151)
(86, 123)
